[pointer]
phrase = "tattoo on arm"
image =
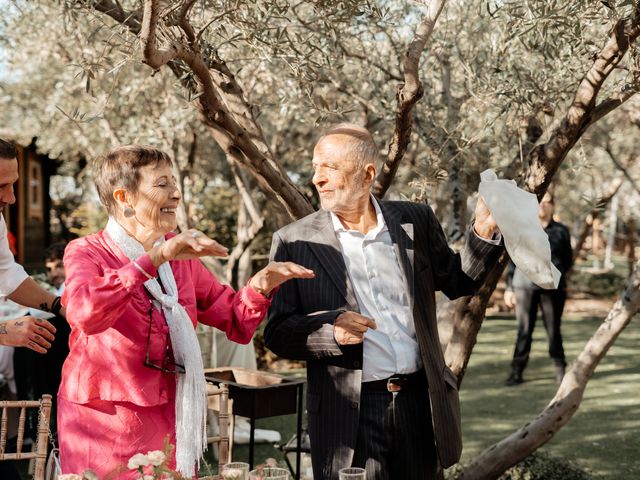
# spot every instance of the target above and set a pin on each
(3, 329)
(44, 307)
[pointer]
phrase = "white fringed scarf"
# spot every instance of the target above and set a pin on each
(191, 397)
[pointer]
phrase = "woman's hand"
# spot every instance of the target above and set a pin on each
(277, 273)
(189, 244)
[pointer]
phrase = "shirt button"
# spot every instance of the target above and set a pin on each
(354, 405)
(356, 364)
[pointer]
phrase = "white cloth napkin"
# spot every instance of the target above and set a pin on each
(516, 213)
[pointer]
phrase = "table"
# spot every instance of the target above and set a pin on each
(259, 394)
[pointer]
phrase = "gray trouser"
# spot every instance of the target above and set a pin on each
(552, 305)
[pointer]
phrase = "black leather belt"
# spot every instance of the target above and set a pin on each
(397, 382)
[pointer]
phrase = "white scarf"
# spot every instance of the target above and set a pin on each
(191, 397)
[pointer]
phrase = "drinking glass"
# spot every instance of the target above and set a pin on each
(269, 472)
(352, 473)
(235, 471)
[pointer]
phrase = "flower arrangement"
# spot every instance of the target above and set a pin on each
(151, 466)
(154, 465)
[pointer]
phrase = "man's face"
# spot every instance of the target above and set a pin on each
(8, 176)
(545, 212)
(55, 272)
(339, 181)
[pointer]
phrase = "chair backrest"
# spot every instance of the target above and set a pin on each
(44, 413)
(218, 400)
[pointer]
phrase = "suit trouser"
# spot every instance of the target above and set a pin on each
(395, 436)
(552, 305)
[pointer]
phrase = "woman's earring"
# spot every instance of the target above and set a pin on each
(128, 212)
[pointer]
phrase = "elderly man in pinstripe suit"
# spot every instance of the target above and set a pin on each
(379, 393)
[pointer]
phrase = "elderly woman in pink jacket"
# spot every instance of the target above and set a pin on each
(134, 295)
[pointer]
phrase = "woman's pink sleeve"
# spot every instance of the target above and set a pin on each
(96, 297)
(238, 314)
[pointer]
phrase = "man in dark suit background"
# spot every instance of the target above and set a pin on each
(527, 297)
(366, 324)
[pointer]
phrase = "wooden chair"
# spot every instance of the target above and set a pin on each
(44, 413)
(218, 405)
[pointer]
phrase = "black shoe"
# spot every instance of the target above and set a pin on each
(559, 373)
(514, 379)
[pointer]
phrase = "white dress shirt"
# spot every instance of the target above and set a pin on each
(378, 285)
(11, 273)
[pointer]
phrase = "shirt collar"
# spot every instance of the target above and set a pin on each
(380, 227)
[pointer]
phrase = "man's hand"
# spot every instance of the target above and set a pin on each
(509, 299)
(485, 225)
(31, 332)
(350, 327)
(275, 274)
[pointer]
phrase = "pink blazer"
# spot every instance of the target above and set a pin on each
(108, 310)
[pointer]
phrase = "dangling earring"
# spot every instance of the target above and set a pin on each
(128, 212)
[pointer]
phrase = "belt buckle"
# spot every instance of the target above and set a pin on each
(394, 384)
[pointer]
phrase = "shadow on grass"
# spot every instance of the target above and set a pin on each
(602, 435)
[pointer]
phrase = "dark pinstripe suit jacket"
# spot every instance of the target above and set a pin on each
(303, 311)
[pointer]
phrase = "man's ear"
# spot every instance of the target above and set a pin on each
(370, 172)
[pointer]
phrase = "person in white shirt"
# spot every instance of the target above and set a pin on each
(380, 395)
(31, 332)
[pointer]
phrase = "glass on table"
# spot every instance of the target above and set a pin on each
(235, 471)
(352, 473)
(269, 472)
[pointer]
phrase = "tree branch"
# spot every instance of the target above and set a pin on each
(153, 56)
(212, 21)
(223, 109)
(132, 20)
(407, 96)
(245, 238)
(546, 159)
(379, 66)
(533, 133)
(598, 205)
(622, 168)
(184, 23)
(613, 102)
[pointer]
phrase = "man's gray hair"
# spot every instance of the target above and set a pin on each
(359, 144)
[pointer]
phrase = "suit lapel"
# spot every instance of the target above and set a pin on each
(402, 237)
(325, 246)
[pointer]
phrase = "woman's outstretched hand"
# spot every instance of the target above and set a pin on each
(275, 274)
(189, 244)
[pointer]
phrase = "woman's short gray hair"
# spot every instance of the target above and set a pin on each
(120, 168)
(359, 144)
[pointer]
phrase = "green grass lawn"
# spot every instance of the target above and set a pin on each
(601, 437)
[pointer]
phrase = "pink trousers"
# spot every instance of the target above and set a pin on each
(103, 436)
